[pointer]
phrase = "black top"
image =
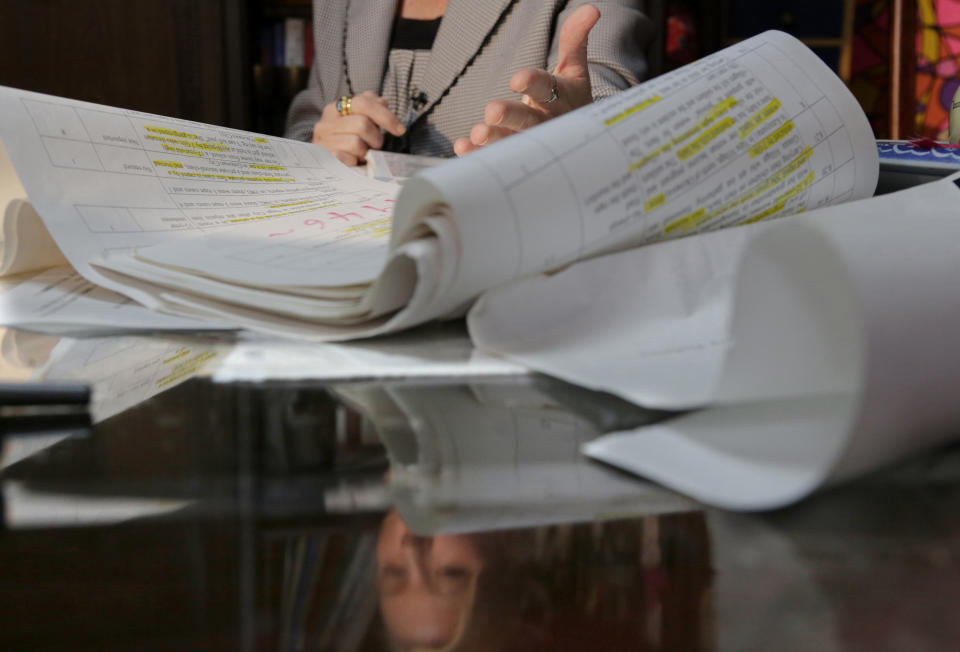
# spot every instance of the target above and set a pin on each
(411, 34)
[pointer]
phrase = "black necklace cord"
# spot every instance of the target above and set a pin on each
(418, 98)
(343, 50)
(421, 97)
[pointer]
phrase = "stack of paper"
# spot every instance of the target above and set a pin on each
(263, 233)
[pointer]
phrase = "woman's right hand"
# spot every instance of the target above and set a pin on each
(349, 137)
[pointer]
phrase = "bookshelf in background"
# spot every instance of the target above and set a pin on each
(180, 58)
(882, 48)
(281, 37)
(825, 26)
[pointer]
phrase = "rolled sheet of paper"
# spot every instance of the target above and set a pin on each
(823, 345)
(843, 358)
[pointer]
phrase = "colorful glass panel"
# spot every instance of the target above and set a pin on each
(938, 64)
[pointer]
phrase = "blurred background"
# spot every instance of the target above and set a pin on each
(238, 63)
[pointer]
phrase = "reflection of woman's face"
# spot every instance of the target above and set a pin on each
(426, 583)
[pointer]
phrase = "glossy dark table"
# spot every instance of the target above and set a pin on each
(438, 514)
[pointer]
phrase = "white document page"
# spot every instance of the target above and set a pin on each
(397, 286)
(843, 357)
(759, 130)
(59, 300)
(392, 166)
(27, 246)
(107, 179)
(650, 325)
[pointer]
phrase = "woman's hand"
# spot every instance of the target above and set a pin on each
(349, 137)
(545, 95)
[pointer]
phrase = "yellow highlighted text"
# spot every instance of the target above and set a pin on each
(771, 140)
(654, 202)
(690, 222)
(705, 139)
(687, 222)
(633, 109)
(181, 150)
(229, 177)
(171, 132)
(758, 118)
(267, 217)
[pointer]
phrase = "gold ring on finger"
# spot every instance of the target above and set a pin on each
(344, 105)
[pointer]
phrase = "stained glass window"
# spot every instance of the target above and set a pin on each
(938, 64)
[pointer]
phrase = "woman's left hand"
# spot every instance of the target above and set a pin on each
(545, 95)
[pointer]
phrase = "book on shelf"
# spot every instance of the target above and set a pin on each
(266, 45)
(293, 48)
(279, 53)
(594, 247)
(287, 43)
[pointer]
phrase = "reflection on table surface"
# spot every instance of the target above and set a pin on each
(124, 370)
(431, 514)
